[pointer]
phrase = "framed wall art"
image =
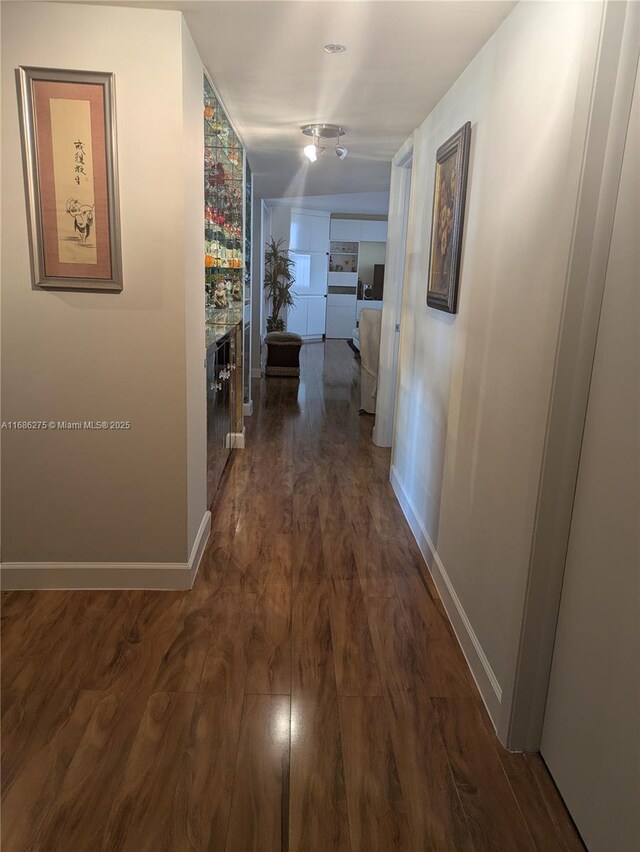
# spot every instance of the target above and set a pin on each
(69, 139)
(452, 165)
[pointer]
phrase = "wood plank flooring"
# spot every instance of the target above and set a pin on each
(307, 695)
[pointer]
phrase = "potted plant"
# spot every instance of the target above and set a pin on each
(278, 282)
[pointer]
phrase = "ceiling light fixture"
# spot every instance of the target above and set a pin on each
(334, 48)
(313, 151)
(318, 132)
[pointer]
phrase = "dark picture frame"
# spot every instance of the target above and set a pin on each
(449, 195)
(71, 175)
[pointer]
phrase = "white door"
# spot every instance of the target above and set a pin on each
(591, 734)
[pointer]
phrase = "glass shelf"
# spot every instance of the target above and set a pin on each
(343, 247)
(223, 207)
(343, 256)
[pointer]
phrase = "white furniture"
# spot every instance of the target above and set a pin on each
(343, 306)
(370, 322)
(343, 263)
(309, 231)
(341, 314)
(367, 303)
(359, 230)
(360, 304)
(342, 287)
(308, 318)
(308, 241)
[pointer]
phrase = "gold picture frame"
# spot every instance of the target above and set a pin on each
(449, 194)
(70, 158)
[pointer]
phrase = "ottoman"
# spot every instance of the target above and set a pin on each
(283, 353)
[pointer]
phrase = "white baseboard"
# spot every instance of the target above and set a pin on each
(247, 408)
(483, 674)
(235, 440)
(108, 575)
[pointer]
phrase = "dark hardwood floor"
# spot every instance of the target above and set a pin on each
(307, 695)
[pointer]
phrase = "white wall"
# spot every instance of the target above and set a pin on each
(119, 496)
(474, 388)
(369, 255)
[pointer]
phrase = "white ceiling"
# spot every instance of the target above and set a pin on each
(267, 62)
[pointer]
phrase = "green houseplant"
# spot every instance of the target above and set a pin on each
(278, 282)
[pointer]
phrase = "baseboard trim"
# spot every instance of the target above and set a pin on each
(108, 575)
(199, 545)
(235, 440)
(247, 408)
(256, 373)
(483, 674)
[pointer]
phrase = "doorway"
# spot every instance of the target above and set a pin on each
(399, 203)
(590, 734)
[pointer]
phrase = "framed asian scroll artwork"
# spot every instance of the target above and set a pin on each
(68, 126)
(452, 165)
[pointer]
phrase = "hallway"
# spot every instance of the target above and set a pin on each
(308, 693)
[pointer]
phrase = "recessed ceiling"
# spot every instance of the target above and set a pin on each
(267, 61)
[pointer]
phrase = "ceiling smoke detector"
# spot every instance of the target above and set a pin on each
(318, 132)
(334, 48)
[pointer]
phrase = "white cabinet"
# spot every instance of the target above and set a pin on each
(297, 318)
(359, 230)
(309, 231)
(310, 272)
(309, 241)
(300, 233)
(318, 233)
(342, 300)
(316, 316)
(341, 314)
(341, 321)
(307, 318)
(344, 279)
(345, 229)
(373, 231)
(346, 236)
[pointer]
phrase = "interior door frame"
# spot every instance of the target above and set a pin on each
(395, 264)
(524, 696)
